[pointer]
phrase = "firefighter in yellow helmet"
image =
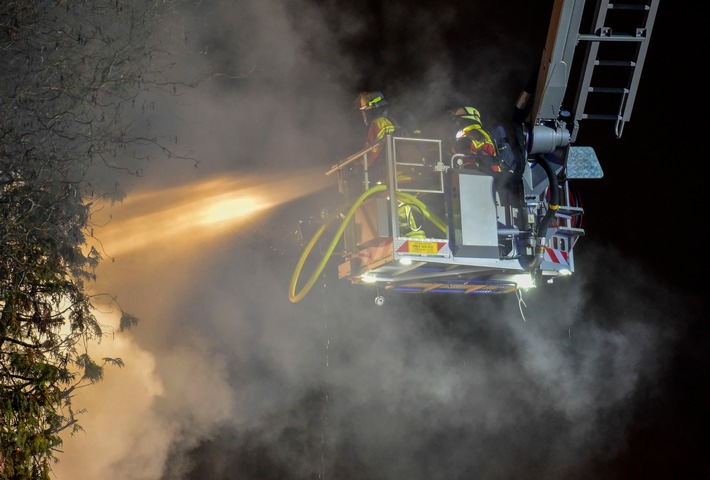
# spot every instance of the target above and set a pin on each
(473, 140)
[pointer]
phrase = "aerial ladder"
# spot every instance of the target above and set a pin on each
(481, 232)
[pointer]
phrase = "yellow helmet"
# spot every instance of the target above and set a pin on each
(467, 115)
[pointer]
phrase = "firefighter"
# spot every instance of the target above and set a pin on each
(375, 116)
(373, 107)
(472, 139)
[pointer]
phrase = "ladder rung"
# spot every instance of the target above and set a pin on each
(628, 6)
(601, 116)
(614, 63)
(614, 37)
(608, 90)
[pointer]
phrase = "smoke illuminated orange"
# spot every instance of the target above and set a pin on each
(192, 214)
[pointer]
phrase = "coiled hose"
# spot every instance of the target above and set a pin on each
(402, 196)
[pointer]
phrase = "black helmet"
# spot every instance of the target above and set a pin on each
(370, 100)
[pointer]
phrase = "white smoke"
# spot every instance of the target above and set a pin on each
(225, 378)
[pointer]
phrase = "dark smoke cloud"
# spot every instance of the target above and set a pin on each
(226, 379)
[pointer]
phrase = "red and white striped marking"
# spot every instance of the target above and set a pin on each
(557, 256)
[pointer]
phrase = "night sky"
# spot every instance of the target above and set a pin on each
(602, 375)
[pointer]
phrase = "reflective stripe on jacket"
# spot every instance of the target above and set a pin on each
(379, 128)
(473, 140)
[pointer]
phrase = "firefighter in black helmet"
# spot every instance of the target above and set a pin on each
(375, 116)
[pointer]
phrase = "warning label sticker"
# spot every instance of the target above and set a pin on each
(423, 248)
